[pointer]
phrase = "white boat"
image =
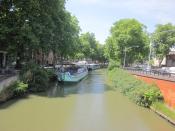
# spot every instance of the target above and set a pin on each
(93, 66)
(72, 74)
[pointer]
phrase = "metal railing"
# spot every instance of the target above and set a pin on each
(158, 72)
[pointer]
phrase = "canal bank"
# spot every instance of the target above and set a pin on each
(89, 105)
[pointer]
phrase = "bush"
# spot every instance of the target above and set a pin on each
(36, 77)
(16, 89)
(19, 88)
(138, 91)
(113, 64)
(51, 75)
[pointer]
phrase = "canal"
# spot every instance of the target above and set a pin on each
(91, 105)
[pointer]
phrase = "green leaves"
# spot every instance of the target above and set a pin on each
(38, 26)
(20, 87)
(127, 33)
(163, 39)
(137, 90)
(91, 48)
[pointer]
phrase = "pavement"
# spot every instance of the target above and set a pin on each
(152, 75)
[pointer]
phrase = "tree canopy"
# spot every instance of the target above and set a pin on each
(127, 35)
(38, 26)
(163, 40)
(91, 48)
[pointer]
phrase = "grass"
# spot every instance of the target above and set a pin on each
(138, 91)
(141, 93)
(163, 108)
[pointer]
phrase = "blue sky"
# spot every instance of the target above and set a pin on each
(98, 16)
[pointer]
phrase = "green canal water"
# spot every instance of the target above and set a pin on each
(90, 105)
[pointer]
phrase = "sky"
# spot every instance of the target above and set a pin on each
(97, 16)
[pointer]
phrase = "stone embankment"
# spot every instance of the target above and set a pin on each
(5, 93)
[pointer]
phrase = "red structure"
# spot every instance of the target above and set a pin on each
(167, 88)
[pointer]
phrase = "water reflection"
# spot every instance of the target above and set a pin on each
(86, 86)
(56, 91)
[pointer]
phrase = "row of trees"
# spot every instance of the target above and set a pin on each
(38, 27)
(130, 36)
(90, 48)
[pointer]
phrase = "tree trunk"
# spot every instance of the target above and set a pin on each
(18, 61)
(160, 62)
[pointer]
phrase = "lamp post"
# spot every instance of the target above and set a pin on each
(125, 50)
(150, 51)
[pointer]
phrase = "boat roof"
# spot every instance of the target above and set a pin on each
(66, 63)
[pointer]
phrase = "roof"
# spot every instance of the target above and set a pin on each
(66, 63)
(171, 53)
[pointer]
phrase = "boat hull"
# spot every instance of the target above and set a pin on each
(67, 77)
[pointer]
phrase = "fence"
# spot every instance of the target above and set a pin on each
(155, 72)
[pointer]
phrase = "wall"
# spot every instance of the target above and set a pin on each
(167, 88)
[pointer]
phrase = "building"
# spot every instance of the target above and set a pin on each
(170, 58)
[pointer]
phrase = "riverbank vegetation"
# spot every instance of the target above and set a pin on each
(141, 93)
(16, 89)
(37, 78)
(138, 91)
(34, 30)
(163, 108)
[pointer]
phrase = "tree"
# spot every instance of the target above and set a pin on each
(125, 34)
(163, 39)
(89, 45)
(70, 37)
(100, 55)
(111, 50)
(38, 27)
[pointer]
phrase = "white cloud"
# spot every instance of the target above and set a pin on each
(104, 12)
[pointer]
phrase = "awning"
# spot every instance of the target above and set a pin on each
(171, 53)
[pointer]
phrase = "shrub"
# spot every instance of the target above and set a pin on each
(19, 88)
(113, 64)
(36, 77)
(51, 75)
(138, 91)
(16, 89)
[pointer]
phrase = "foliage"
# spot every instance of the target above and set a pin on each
(19, 88)
(141, 93)
(163, 40)
(163, 108)
(36, 27)
(36, 77)
(113, 64)
(91, 48)
(127, 34)
(16, 89)
(51, 74)
(111, 49)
